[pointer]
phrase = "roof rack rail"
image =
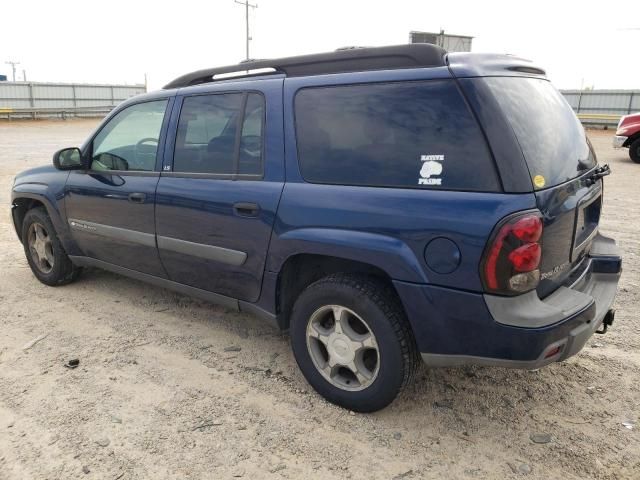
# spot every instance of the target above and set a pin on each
(414, 55)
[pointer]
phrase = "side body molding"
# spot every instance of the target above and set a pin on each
(117, 233)
(209, 252)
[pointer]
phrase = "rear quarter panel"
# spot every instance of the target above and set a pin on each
(390, 228)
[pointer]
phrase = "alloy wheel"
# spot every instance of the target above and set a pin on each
(41, 247)
(343, 347)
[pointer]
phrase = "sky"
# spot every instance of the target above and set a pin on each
(579, 43)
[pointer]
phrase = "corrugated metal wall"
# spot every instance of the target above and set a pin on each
(604, 107)
(31, 95)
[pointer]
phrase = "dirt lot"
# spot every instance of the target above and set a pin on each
(159, 394)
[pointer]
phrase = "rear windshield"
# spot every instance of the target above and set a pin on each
(551, 137)
(408, 135)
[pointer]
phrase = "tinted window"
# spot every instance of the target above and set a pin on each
(207, 131)
(251, 141)
(130, 140)
(207, 134)
(418, 134)
(550, 135)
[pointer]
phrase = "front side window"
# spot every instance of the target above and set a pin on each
(130, 140)
(209, 140)
(411, 135)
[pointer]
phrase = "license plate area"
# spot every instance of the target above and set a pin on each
(586, 224)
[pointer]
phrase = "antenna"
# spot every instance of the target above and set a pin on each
(13, 67)
(246, 20)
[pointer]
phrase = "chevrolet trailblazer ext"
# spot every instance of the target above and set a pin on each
(382, 204)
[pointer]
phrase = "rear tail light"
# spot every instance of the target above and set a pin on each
(525, 258)
(513, 255)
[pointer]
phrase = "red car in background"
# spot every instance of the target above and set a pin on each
(628, 135)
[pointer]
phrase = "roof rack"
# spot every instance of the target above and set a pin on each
(414, 55)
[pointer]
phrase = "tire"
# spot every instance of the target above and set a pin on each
(386, 361)
(634, 150)
(45, 254)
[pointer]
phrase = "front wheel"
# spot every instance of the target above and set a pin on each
(634, 150)
(352, 341)
(47, 259)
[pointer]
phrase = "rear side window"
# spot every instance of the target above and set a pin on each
(249, 160)
(412, 135)
(552, 139)
(220, 134)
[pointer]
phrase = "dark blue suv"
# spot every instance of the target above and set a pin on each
(382, 204)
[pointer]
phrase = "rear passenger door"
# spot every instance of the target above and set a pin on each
(220, 186)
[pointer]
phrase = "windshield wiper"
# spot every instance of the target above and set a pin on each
(598, 173)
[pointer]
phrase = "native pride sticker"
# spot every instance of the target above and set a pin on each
(431, 169)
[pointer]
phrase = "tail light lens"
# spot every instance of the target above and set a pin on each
(513, 255)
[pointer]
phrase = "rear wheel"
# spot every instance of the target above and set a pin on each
(47, 259)
(352, 341)
(634, 150)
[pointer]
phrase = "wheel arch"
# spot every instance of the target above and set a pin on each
(24, 199)
(302, 269)
(19, 208)
(631, 139)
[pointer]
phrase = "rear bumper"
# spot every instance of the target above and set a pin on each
(458, 328)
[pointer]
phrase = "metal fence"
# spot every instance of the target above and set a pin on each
(32, 99)
(603, 107)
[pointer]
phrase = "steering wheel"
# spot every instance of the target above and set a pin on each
(147, 151)
(146, 140)
(252, 145)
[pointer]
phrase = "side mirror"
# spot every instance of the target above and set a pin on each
(68, 159)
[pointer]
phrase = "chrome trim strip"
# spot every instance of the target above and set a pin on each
(210, 252)
(116, 233)
(121, 173)
(213, 176)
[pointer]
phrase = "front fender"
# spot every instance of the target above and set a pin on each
(384, 252)
(53, 203)
(630, 130)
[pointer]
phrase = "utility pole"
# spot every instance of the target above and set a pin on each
(13, 67)
(246, 19)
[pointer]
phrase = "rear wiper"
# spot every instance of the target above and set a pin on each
(598, 173)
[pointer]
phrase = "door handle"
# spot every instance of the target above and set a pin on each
(246, 209)
(137, 197)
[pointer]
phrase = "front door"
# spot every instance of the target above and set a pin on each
(216, 206)
(110, 207)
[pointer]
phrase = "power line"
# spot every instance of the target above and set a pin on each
(246, 19)
(13, 67)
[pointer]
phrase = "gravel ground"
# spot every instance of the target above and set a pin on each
(172, 387)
